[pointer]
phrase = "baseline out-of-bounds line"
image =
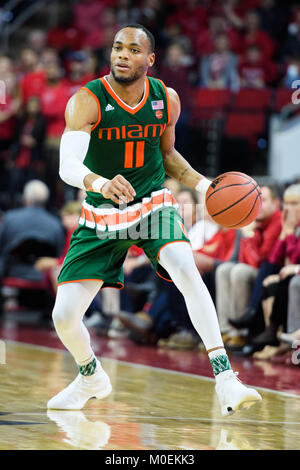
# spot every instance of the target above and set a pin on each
(155, 368)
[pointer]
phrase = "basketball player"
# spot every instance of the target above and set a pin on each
(118, 145)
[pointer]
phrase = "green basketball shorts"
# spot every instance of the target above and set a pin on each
(96, 253)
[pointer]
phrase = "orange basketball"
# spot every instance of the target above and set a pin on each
(233, 199)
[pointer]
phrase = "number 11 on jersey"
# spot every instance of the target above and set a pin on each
(136, 148)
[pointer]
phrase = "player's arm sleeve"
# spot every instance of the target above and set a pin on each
(73, 149)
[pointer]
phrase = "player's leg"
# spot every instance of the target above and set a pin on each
(177, 259)
(72, 301)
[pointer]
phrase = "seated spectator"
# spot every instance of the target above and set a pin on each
(286, 253)
(219, 70)
(253, 35)
(26, 234)
(255, 71)
(27, 148)
(234, 281)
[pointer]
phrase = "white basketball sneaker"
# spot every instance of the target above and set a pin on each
(232, 394)
(75, 395)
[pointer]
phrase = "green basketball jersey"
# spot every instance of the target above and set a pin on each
(126, 140)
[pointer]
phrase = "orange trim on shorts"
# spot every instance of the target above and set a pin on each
(164, 278)
(168, 100)
(98, 104)
(79, 280)
(120, 102)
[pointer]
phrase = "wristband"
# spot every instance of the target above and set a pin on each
(203, 185)
(99, 183)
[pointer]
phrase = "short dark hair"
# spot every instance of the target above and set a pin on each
(146, 31)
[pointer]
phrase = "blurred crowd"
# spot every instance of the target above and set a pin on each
(252, 274)
(210, 43)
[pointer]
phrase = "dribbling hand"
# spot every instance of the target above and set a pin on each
(119, 190)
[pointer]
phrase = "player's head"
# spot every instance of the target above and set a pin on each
(132, 53)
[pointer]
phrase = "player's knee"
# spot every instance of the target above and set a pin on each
(185, 277)
(62, 318)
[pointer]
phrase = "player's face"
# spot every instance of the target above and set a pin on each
(131, 55)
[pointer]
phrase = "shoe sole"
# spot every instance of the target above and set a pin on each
(104, 393)
(245, 403)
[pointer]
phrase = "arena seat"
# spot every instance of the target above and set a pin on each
(212, 98)
(252, 99)
(247, 125)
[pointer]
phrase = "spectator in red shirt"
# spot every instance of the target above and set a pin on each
(54, 96)
(255, 71)
(234, 281)
(34, 82)
(254, 35)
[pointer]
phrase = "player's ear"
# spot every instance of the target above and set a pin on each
(151, 59)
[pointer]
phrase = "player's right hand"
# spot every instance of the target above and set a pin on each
(119, 190)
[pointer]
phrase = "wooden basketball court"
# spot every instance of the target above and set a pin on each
(149, 408)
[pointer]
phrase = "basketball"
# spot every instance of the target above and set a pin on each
(233, 199)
